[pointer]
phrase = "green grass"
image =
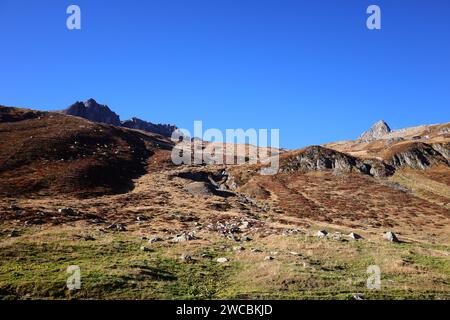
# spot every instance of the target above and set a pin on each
(113, 270)
(114, 267)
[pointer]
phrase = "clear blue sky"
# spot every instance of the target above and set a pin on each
(310, 68)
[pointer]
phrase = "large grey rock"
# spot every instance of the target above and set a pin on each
(355, 236)
(390, 236)
(184, 237)
(245, 225)
(200, 188)
(186, 258)
(322, 233)
(117, 227)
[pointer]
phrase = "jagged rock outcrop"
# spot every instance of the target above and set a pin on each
(377, 131)
(416, 155)
(162, 129)
(318, 158)
(93, 111)
(443, 148)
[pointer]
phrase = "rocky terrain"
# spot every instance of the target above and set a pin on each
(165, 130)
(376, 132)
(93, 111)
(108, 199)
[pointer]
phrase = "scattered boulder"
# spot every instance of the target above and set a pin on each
(222, 260)
(233, 237)
(66, 211)
(33, 222)
(155, 239)
(289, 232)
(335, 236)
(144, 248)
(322, 233)
(234, 229)
(268, 258)
(245, 225)
(184, 237)
(355, 236)
(246, 239)
(255, 250)
(186, 258)
(390, 236)
(238, 248)
(117, 227)
(200, 188)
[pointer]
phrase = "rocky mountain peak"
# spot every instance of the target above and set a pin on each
(91, 103)
(377, 131)
(162, 129)
(93, 111)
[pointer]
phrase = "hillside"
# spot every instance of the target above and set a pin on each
(49, 153)
(109, 199)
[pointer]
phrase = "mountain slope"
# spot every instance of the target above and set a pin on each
(108, 198)
(50, 153)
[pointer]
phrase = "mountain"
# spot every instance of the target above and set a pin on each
(93, 111)
(377, 131)
(420, 146)
(49, 153)
(165, 130)
(73, 190)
